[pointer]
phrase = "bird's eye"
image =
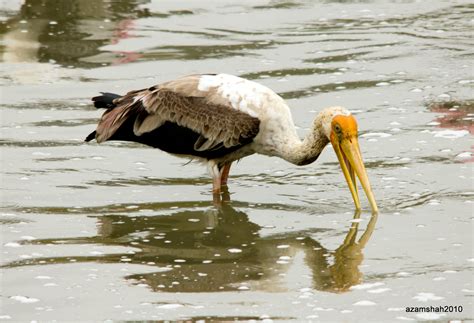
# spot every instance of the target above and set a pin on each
(337, 128)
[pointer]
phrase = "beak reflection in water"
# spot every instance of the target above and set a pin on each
(346, 145)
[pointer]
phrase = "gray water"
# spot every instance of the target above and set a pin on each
(120, 231)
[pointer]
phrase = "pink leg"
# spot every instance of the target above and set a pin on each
(216, 189)
(216, 177)
(225, 173)
(216, 185)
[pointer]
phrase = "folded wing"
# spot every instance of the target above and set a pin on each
(180, 104)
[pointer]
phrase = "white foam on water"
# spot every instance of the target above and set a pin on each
(234, 250)
(404, 318)
(312, 316)
(24, 299)
(322, 309)
(396, 309)
(450, 134)
(378, 290)
(305, 290)
(430, 316)
(170, 306)
(366, 286)
(376, 135)
(464, 155)
(364, 303)
(444, 96)
(403, 274)
(425, 297)
(12, 245)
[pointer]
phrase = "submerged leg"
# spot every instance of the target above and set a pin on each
(219, 182)
(225, 194)
(225, 173)
(216, 177)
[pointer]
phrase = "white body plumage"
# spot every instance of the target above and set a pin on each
(277, 134)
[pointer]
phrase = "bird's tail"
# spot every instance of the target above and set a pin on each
(91, 136)
(104, 101)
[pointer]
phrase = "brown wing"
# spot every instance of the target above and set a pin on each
(182, 103)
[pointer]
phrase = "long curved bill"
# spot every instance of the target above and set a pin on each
(350, 159)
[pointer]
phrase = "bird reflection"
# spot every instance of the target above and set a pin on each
(217, 249)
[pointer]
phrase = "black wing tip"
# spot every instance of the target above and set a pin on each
(91, 136)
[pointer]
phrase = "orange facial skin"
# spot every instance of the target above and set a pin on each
(344, 126)
(346, 146)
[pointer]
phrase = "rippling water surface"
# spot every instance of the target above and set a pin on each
(120, 231)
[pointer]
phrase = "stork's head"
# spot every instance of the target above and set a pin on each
(340, 127)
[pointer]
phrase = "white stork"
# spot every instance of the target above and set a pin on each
(222, 118)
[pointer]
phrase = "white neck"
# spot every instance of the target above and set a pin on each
(286, 144)
(307, 151)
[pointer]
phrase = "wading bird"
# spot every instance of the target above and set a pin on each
(221, 118)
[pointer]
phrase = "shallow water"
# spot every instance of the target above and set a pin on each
(123, 232)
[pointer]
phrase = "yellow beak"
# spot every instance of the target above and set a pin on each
(350, 159)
